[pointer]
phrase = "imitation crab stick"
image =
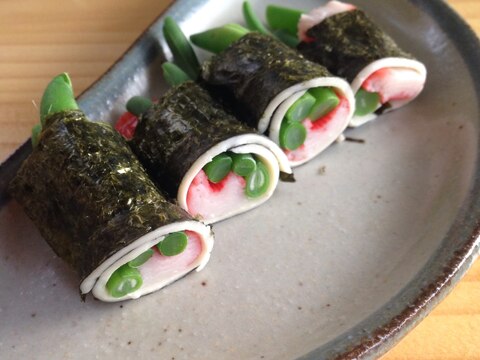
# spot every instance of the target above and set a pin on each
(212, 164)
(276, 90)
(94, 204)
(197, 151)
(341, 37)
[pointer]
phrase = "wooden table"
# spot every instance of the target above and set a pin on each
(40, 38)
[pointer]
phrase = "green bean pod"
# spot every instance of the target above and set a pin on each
(282, 18)
(285, 37)
(137, 105)
(173, 74)
(251, 19)
(181, 48)
(58, 96)
(218, 39)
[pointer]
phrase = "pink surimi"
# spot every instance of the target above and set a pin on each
(317, 15)
(210, 200)
(321, 132)
(396, 86)
(170, 265)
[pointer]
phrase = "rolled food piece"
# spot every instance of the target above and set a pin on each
(98, 210)
(212, 164)
(345, 40)
(299, 103)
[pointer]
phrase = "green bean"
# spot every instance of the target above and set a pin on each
(286, 38)
(300, 109)
(218, 168)
(257, 181)
(123, 281)
(366, 102)
(173, 244)
(36, 131)
(292, 135)
(137, 105)
(218, 39)
(141, 259)
(279, 17)
(238, 27)
(173, 75)
(181, 48)
(253, 22)
(58, 96)
(326, 101)
(243, 164)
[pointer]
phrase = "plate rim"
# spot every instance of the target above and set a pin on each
(380, 340)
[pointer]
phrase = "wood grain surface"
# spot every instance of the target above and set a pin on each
(38, 39)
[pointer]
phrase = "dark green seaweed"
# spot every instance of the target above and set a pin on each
(176, 131)
(87, 193)
(347, 42)
(256, 68)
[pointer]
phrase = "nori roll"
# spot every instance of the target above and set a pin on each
(345, 40)
(301, 106)
(212, 164)
(96, 207)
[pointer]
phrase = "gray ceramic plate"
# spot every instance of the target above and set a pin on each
(339, 265)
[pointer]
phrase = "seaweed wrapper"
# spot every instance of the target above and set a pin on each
(87, 193)
(255, 69)
(347, 42)
(176, 131)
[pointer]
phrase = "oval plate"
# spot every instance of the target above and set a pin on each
(339, 265)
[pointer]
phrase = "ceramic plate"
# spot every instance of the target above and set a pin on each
(340, 264)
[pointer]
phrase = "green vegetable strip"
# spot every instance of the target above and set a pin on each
(141, 259)
(173, 244)
(124, 281)
(218, 39)
(218, 168)
(137, 105)
(326, 101)
(36, 131)
(58, 96)
(285, 37)
(292, 135)
(181, 48)
(243, 164)
(279, 17)
(173, 75)
(366, 102)
(237, 27)
(301, 108)
(253, 22)
(257, 181)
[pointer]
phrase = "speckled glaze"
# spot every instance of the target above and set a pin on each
(339, 265)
